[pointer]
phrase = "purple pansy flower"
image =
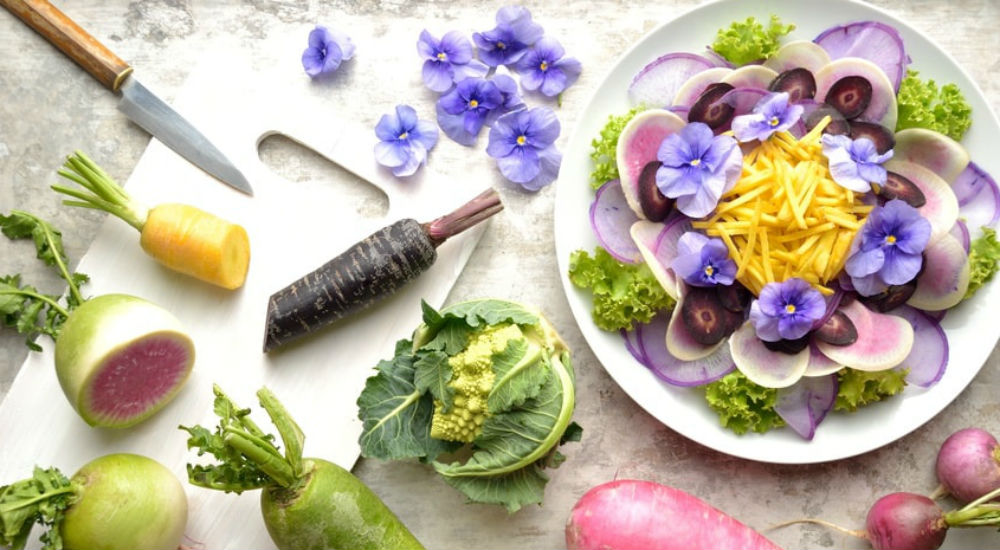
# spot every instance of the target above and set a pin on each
(447, 60)
(454, 126)
(854, 164)
(523, 142)
(473, 99)
(327, 49)
(697, 168)
(888, 249)
(544, 68)
(703, 261)
(771, 114)
(506, 43)
(405, 140)
(786, 310)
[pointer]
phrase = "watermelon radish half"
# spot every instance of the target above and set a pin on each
(119, 359)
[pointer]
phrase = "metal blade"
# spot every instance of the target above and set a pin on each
(160, 120)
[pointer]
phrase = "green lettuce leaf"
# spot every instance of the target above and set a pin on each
(923, 105)
(42, 498)
(622, 293)
(519, 376)
(748, 41)
(742, 405)
(604, 148)
(984, 260)
(859, 388)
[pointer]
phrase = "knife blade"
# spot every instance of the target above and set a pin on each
(137, 103)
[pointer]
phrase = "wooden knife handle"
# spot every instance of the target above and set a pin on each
(72, 40)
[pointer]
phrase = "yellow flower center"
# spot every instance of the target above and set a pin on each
(790, 308)
(709, 270)
(501, 45)
(891, 239)
(521, 140)
(442, 56)
(695, 162)
(404, 135)
(473, 103)
(544, 66)
(774, 121)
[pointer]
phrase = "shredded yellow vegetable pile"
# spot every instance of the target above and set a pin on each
(786, 217)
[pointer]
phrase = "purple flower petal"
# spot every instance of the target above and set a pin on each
(765, 325)
(473, 119)
(868, 285)
(677, 182)
(424, 134)
(407, 117)
(427, 45)
(900, 268)
(437, 76)
(554, 83)
(457, 47)
(698, 205)
(864, 263)
(453, 126)
(473, 69)
(521, 165)
(871, 173)
(404, 140)
(675, 151)
(691, 243)
(549, 160)
(388, 128)
(415, 157)
(391, 153)
(542, 126)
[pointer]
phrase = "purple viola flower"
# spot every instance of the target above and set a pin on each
(544, 68)
(509, 40)
(405, 140)
(447, 60)
(473, 99)
(697, 168)
(703, 261)
(326, 51)
(786, 310)
(888, 249)
(454, 126)
(523, 142)
(771, 114)
(854, 164)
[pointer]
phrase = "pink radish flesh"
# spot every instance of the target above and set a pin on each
(804, 405)
(905, 521)
(771, 369)
(611, 218)
(871, 40)
(631, 514)
(638, 145)
(883, 340)
(929, 356)
(968, 464)
(672, 370)
(657, 83)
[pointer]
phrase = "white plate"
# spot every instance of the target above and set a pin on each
(972, 331)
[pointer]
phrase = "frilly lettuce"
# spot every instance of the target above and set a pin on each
(859, 388)
(603, 149)
(623, 293)
(923, 105)
(743, 406)
(749, 41)
(984, 260)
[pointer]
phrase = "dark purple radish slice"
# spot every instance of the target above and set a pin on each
(878, 134)
(981, 196)
(799, 83)
(751, 76)
(883, 340)
(961, 232)
(658, 82)
(838, 125)
(871, 40)
(850, 95)
(709, 108)
(838, 330)
(707, 321)
(771, 369)
(798, 54)
(675, 371)
(632, 339)
(819, 364)
(891, 298)
(637, 146)
(971, 183)
(941, 207)
(655, 205)
(945, 276)
(680, 341)
(611, 219)
(881, 106)
(928, 359)
(804, 405)
(657, 243)
(897, 186)
(791, 347)
(932, 150)
(692, 89)
(734, 297)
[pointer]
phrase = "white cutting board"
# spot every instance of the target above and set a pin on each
(294, 227)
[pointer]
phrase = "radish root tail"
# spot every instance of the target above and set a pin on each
(853, 532)
(939, 493)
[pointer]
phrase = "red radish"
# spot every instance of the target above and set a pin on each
(968, 464)
(629, 514)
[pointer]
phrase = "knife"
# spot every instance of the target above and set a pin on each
(138, 103)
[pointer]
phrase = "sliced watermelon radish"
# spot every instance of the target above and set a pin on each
(673, 370)
(657, 83)
(883, 340)
(805, 404)
(928, 359)
(978, 198)
(757, 77)
(771, 369)
(692, 89)
(961, 232)
(882, 107)
(657, 243)
(611, 218)
(871, 40)
(119, 359)
(637, 146)
(679, 341)
(798, 53)
(819, 364)
(945, 277)
(932, 150)
(631, 338)
(941, 208)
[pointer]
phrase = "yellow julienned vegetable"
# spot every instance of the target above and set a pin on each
(182, 237)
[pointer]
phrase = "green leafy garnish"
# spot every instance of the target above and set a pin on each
(749, 41)
(923, 105)
(858, 388)
(984, 260)
(742, 405)
(43, 498)
(603, 149)
(623, 293)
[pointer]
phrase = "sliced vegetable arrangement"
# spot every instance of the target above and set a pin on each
(119, 358)
(807, 211)
(484, 391)
(306, 502)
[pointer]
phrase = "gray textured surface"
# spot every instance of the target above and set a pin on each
(48, 107)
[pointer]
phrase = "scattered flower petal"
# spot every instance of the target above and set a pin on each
(509, 40)
(786, 310)
(523, 142)
(888, 248)
(697, 168)
(404, 140)
(703, 261)
(771, 114)
(544, 68)
(326, 51)
(854, 164)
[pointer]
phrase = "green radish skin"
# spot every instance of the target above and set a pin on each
(331, 509)
(126, 501)
(100, 331)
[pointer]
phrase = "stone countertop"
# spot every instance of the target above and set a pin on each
(49, 107)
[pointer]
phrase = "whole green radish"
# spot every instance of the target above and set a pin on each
(307, 503)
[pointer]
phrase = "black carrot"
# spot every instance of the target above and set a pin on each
(366, 272)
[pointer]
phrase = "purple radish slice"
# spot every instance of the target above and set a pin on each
(897, 186)
(819, 364)
(970, 183)
(805, 404)
(762, 366)
(882, 100)
(707, 321)
(981, 209)
(657, 242)
(680, 110)
(675, 371)
(932, 150)
(968, 464)
(692, 89)
(838, 330)
(850, 95)
(611, 220)
(883, 340)
(709, 108)
(878, 134)
(871, 40)
(961, 232)
(798, 54)
(757, 77)
(838, 125)
(657, 83)
(799, 83)
(654, 204)
(929, 357)
(679, 340)
(936, 315)
(719, 61)
(891, 298)
(120, 359)
(632, 338)
(734, 297)
(945, 276)
(941, 207)
(791, 347)
(637, 146)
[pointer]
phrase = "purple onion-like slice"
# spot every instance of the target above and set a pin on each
(961, 232)
(632, 342)
(871, 40)
(928, 359)
(978, 198)
(819, 364)
(804, 405)
(658, 82)
(653, 346)
(611, 218)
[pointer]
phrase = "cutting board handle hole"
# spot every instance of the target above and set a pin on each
(299, 163)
